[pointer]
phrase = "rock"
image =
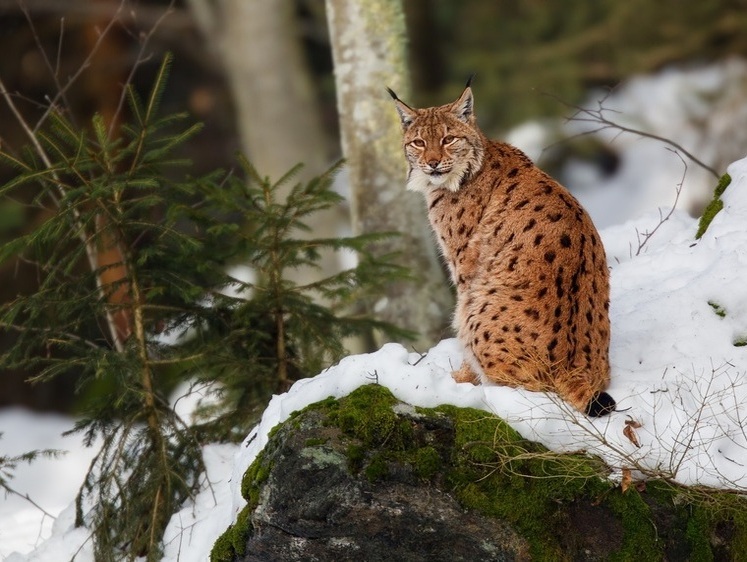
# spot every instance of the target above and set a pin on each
(367, 478)
(312, 507)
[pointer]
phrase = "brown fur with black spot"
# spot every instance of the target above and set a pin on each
(529, 267)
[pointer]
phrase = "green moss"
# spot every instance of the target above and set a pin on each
(739, 341)
(718, 309)
(356, 455)
(367, 414)
(738, 520)
(254, 477)
(316, 442)
(714, 206)
(697, 531)
(716, 513)
(427, 462)
(496, 472)
(640, 538)
(232, 542)
(377, 468)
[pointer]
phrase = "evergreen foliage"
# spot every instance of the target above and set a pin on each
(289, 329)
(132, 296)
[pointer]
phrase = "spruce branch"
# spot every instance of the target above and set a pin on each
(79, 225)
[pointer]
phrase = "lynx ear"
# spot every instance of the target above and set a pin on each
(463, 108)
(406, 113)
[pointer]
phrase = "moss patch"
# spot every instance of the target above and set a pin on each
(714, 206)
(719, 310)
(561, 504)
(232, 543)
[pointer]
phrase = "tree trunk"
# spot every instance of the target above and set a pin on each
(368, 47)
(278, 114)
(258, 42)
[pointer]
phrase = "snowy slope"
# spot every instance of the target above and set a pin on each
(675, 370)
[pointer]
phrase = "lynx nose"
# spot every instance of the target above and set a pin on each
(434, 163)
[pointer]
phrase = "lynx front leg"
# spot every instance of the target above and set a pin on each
(466, 374)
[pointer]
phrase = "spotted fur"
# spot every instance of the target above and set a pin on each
(528, 264)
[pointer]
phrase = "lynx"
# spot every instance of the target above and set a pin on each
(530, 271)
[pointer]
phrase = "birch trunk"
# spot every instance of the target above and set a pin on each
(368, 47)
(259, 46)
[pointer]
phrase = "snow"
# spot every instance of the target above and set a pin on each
(52, 483)
(700, 108)
(677, 369)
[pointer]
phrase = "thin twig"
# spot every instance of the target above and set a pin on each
(84, 66)
(26, 497)
(53, 71)
(141, 58)
(598, 117)
(662, 219)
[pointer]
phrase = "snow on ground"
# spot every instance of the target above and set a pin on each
(52, 483)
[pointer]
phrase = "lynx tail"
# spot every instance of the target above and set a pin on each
(601, 404)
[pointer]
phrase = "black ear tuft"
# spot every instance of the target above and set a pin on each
(391, 93)
(601, 404)
(463, 108)
(469, 80)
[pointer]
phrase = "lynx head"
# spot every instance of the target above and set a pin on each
(443, 145)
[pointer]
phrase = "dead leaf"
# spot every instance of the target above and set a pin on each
(627, 480)
(629, 431)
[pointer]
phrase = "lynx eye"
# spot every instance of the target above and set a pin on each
(448, 139)
(420, 143)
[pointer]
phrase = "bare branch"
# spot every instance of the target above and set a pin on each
(53, 71)
(26, 497)
(599, 117)
(84, 65)
(141, 58)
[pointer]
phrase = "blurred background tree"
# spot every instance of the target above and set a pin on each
(231, 57)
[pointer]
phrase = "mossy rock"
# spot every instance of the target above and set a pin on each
(367, 477)
(713, 208)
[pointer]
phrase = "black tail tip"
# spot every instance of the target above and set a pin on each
(391, 93)
(601, 405)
